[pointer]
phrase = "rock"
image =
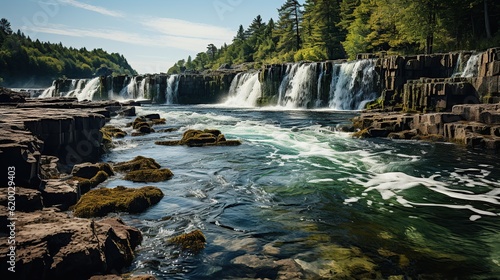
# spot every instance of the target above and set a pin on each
(27, 200)
(85, 185)
(152, 116)
(49, 167)
(61, 194)
(138, 163)
(100, 202)
(113, 132)
(89, 170)
(149, 175)
(9, 96)
(128, 111)
(52, 245)
(193, 242)
(200, 138)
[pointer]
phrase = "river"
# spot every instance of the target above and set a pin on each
(300, 200)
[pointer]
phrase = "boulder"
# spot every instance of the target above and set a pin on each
(200, 138)
(100, 202)
(138, 163)
(149, 175)
(85, 185)
(89, 170)
(193, 242)
(52, 245)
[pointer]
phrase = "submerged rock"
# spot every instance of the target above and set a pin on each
(100, 202)
(193, 242)
(200, 138)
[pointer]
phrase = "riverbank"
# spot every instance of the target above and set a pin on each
(475, 126)
(41, 141)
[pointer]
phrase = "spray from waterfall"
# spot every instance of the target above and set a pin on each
(472, 67)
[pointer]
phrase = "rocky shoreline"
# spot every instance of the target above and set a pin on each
(475, 126)
(39, 238)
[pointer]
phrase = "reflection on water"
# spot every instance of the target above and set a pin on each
(298, 201)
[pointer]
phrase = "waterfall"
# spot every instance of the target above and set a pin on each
(353, 85)
(322, 72)
(91, 87)
(171, 95)
(77, 87)
(298, 86)
(245, 90)
(472, 67)
(143, 91)
(129, 92)
(49, 92)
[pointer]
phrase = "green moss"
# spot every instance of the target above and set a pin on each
(149, 175)
(138, 163)
(194, 241)
(199, 138)
(88, 184)
(100, 202)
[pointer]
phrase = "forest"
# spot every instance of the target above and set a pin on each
(24, 62)
(339, 29)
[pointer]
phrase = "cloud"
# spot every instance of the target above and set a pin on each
(92, 8)
(183, 43)
(186, 29)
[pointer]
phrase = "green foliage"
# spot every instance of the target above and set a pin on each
(21, 59)
(326, 29)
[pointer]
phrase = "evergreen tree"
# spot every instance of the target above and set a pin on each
(5, 26)
(288, 26)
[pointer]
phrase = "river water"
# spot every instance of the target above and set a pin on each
(298, 200)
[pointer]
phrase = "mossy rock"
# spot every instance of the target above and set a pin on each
(363, 133)
(100, 202)
(200, 138)
(138, 163)
(193, 242)
(86, 185)
(110, 132)
(149, 175)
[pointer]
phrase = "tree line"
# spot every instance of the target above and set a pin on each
(336, 29)
(27, 61)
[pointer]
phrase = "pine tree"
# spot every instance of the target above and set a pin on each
(288, 26)
(5, 26)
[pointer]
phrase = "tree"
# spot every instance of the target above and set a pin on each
(212, 51)
(5, 26)
(321, 19)
(240, 35)
(288, 26)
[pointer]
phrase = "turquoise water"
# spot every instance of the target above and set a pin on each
(298, 200)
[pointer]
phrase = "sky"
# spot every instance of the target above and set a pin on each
(151, 34)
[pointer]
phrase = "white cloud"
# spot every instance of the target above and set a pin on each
(187, 29)
(92, 8)
(183, 43)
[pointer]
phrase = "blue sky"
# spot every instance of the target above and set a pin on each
(151, 34)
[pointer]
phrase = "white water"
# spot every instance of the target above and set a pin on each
(129, 92)
(172, 93)
(49, 92)
(353, 86)
(245, 90)
(91, 87)
(298, 87)
(472, 67)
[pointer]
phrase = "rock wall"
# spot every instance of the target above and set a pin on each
(204, 89)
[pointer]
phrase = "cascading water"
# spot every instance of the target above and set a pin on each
(171, 95)
(89, 90)
(245, 90)
(300, 88)
(129, 92)
(78, 88)
(49, 92)
(353, 85)
(472, 67)
(143, 89)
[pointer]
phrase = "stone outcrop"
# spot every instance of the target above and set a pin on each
(474, 125)
(51, 245)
